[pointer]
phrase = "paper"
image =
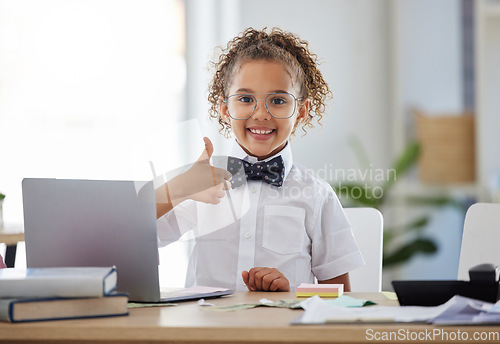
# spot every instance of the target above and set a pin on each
(348, 301)
(292, 304)
(390, 295)
(458, 310)
(233, 308)
(467, 311)
(201, 302)
(490, 314)
(320, 287)
(324, 290)
(265, 301)
(493, 308)
(345, 301)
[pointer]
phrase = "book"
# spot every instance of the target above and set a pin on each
(57, 282)
(25, 310)
(322, 290)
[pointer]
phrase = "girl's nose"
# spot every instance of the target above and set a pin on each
(260, 112)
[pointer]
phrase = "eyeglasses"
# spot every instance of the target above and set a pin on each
(279, 105)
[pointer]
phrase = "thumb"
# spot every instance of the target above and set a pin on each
(244, 276)
(208, 151)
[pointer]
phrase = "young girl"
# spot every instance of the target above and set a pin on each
(279, 225)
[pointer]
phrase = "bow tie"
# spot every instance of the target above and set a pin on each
(272, 171)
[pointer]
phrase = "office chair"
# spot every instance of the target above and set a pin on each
(480, 238)
(367, 228)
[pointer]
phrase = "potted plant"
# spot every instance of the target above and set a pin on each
(408, 238)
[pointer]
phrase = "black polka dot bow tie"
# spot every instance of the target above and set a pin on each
(272, 171)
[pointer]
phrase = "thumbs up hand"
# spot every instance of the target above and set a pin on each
(202, 182)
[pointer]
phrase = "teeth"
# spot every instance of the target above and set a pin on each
(261, 132)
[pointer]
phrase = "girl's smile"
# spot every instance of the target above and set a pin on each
(263, 135)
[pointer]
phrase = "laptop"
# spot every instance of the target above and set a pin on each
(70, 222)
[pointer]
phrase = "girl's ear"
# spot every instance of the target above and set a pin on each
(223, 111)
(302, 111)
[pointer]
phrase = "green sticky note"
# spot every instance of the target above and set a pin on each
(348, 301)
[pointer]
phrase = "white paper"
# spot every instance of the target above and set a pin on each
(458, 309)
(201, 302)
(265, 301)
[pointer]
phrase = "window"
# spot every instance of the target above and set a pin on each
(87, 87)
(84, 86)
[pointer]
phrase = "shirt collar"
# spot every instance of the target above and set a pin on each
(286, 155)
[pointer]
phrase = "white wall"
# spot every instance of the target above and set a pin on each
(430, 54)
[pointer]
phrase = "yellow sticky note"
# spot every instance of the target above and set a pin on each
(390, 295)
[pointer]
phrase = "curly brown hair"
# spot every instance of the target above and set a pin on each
(277, 45)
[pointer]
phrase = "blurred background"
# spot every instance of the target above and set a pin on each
(97, 89)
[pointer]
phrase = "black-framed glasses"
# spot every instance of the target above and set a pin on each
(279, 105)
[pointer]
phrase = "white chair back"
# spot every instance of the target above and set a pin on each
(367, 228)
(481, 238)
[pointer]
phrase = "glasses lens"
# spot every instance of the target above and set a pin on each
(281, 105)
(240, 106)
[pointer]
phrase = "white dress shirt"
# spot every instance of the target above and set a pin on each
(299, 228)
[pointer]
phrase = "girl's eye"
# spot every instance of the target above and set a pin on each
(278, 101)
(245, 99)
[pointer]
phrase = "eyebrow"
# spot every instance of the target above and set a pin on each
(246, 90)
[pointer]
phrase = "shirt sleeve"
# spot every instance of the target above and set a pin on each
(171, 226)
(333, 250)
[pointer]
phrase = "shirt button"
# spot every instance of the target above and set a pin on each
(248, 235)
(252, 189)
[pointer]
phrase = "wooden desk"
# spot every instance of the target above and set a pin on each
(190, 323)
(11, 234)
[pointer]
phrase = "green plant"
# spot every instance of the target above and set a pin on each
(410, 234)
(2, 196)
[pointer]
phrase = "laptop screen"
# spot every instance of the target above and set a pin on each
(94, 223)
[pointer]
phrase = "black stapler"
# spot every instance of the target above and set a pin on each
(483, 285)
(484, 273)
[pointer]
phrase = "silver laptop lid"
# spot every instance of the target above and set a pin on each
(94, 223)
